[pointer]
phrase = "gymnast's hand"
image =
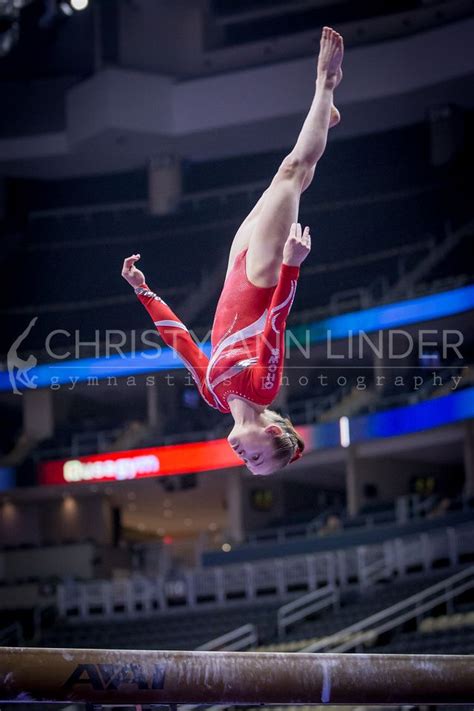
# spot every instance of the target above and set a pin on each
(297, 246)
(130, 273)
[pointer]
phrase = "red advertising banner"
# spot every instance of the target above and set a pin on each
(140, 463)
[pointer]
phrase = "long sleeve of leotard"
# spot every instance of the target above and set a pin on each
(267, 372)
(175, 334)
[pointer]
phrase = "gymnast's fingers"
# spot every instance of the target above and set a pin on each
(129, 262)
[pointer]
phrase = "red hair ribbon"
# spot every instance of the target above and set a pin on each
(296, 455)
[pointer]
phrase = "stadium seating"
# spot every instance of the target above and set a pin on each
(394, 200)
(188, 630)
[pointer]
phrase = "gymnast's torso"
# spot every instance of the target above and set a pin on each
(247, 337)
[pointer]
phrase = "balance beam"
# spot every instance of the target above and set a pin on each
(144, 677)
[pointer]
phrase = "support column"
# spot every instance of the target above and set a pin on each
(152, 407)
(161, 401)
(469, 459)
(38, 416)
(235, 506)
(352, 488)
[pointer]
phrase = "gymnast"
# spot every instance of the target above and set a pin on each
(244, 373)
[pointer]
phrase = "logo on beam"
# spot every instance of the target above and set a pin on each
(110, 677)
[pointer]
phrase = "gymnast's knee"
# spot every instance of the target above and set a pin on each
(295, 170)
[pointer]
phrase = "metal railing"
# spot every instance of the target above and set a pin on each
(436, 255)
(244, 637)
(375, 564)
(406, 508)
(219, 586)
(413, 607)
(307, 605)
(280, 534)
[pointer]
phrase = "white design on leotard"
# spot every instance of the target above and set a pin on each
(175, 324)
(233, 370)
(275, 311)
(253, 329)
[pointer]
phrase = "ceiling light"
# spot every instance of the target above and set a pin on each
(79, 4)
(66, 9)
(9, 34)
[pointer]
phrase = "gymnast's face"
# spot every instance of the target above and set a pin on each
(253, 443)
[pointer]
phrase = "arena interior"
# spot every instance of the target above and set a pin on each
(126, 521)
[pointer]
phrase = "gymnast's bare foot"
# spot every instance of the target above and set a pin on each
(330, 58)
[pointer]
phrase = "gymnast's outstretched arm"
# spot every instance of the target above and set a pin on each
(172, 330)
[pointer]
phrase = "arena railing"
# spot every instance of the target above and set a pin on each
(208, 587)
(308, 604)
(367, 631)
(244, 637)
(410, 508)
(406, 508)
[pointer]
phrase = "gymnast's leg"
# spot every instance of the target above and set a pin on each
(271, 219)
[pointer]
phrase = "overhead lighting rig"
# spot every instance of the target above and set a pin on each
(10, 15)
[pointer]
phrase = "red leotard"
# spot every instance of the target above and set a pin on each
(248, 337)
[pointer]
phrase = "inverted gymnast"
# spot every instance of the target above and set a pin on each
(243, 375)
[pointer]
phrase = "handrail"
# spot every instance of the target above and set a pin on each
(382, 566)
(292, 530)
(435, 256)
(368, 627)
(372, 634)
(239, 639)
(306, 605)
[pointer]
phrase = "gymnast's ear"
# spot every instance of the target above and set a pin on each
(274, 430)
